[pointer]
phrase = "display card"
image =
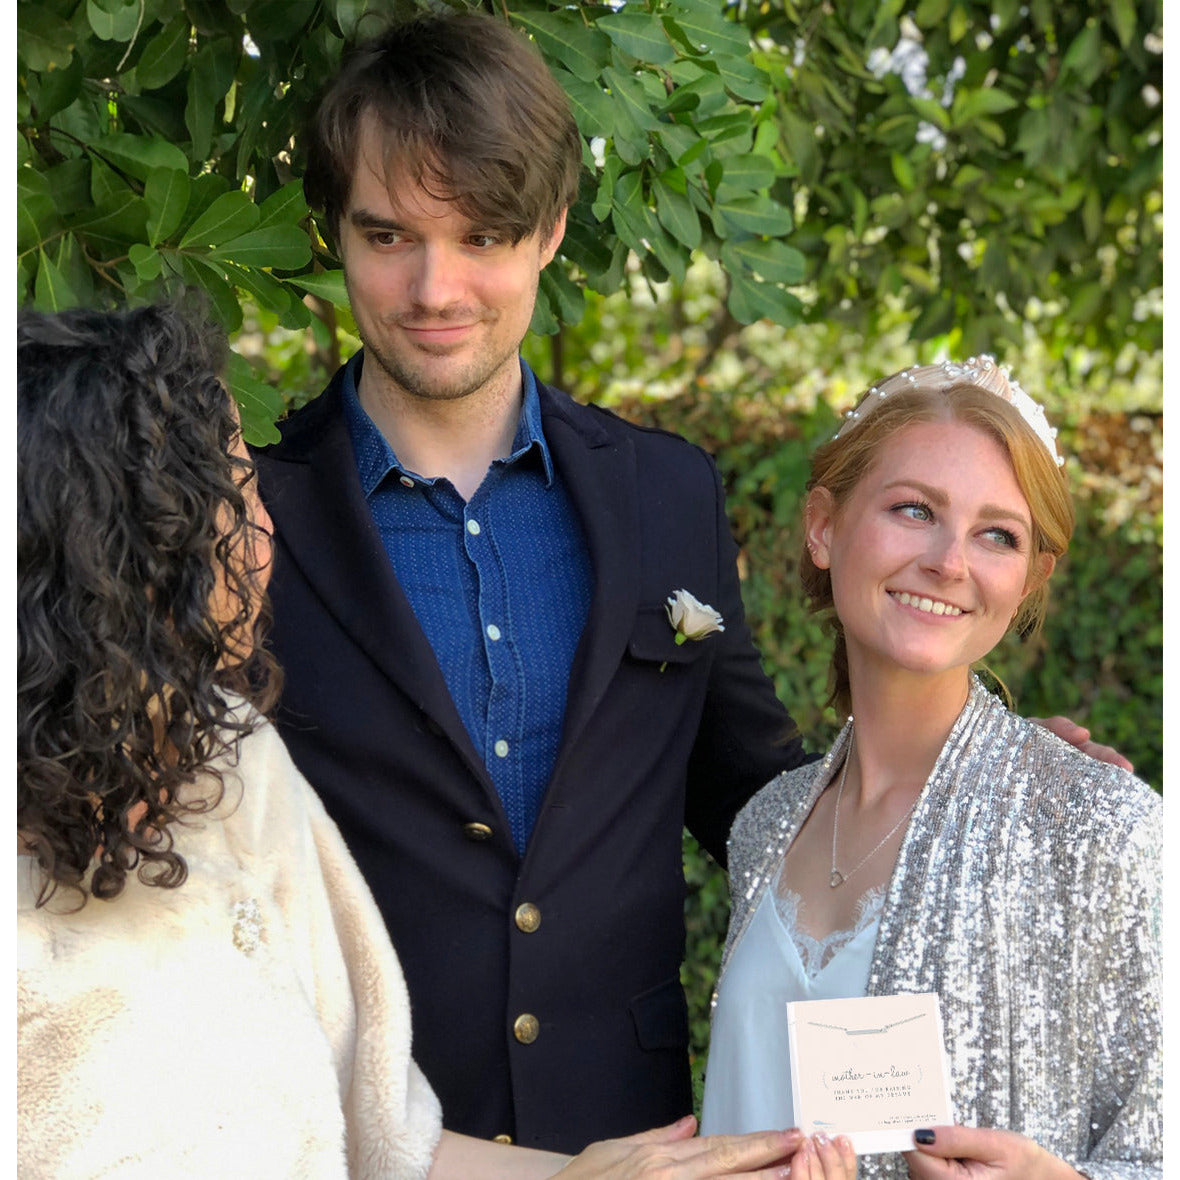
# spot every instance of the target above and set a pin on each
(872, 1068)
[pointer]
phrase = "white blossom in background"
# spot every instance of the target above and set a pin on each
(909, 60)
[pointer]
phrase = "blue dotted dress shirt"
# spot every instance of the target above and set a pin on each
(501, 586)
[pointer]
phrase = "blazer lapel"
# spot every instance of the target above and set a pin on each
(314, 495)
(598, 471)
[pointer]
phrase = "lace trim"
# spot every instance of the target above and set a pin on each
(817, 953)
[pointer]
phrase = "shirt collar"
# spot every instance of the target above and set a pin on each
(375, 458)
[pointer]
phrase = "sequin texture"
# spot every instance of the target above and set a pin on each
(1027, 894)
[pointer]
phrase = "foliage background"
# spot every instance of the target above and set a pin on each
(783, 200)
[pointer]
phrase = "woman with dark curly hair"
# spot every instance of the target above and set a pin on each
(187, 914)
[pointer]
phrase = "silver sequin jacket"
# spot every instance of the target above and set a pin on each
(1027, 894)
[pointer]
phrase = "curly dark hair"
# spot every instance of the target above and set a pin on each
(139, 571)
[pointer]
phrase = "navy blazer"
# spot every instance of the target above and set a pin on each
(545, 990)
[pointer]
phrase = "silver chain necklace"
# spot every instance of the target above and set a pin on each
(837, 878)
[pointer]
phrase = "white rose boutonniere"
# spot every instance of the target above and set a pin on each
(691, 619)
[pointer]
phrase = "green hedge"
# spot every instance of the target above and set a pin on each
(1099, 658)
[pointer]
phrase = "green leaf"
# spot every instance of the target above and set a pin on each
(114, 20)
(903, 171)
(329, 285)
(43, 40)
(166, 193)
(770, 258)
(638, 34)
(936, 318)
(75, 268)
(117, 224)
(931, 13)
(750, 301)
(631, 96)
(1092, 215)
(565, 297)
(146, 260)
(139, 155)
(677, 215)
(1083, 59)
(266, 290)
(744, 175)
(163, 56)
(971, 104)
(210, 278)
(285, 247)
(604, 198)
(211, 76)
(36, 214)
(1122, 17)
(106, 185)
(932, 111)
(285, 206)
(744, 79)
(756, 215)
(231, 215)
(566, 40)
(53, 90)
(544, 318)
(69, 185)
(707, 30)
(593, 108)
(51, 292)
(259, 403)
(676, 140)
(801, 146)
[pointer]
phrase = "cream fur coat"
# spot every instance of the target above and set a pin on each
(252, 1023)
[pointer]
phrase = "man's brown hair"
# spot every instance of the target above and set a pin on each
(465, 106)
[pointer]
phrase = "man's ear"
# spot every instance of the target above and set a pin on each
(819, 517)
(549, 248)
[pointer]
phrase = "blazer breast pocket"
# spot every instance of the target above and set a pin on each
(661, 1016)
(653, 640)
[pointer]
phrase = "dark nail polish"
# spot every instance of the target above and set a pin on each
(924, 1136)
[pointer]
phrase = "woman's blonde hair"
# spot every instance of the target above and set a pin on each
(981, 395)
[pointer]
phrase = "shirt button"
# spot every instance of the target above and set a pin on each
(501, 1138)
(405, 481)
(493, 631)
(477, 831)
(501, 748)
(473, 527)
(528, 918)
(526, 1028)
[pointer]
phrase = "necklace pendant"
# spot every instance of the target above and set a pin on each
(836, 879)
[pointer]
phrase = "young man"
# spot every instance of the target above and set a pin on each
(471, 574)
(472, 570)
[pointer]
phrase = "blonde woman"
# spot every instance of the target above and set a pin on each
(945, 844)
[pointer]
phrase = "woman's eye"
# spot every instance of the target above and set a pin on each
(1004, 537)
(914, 510)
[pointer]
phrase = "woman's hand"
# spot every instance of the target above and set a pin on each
(977, 1153)
(822, 1158)
(672, 1153)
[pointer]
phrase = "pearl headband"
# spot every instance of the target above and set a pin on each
(981, 371)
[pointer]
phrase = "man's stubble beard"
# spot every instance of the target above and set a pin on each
(418, 383)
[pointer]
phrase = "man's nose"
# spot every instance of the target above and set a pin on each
(436, 282)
